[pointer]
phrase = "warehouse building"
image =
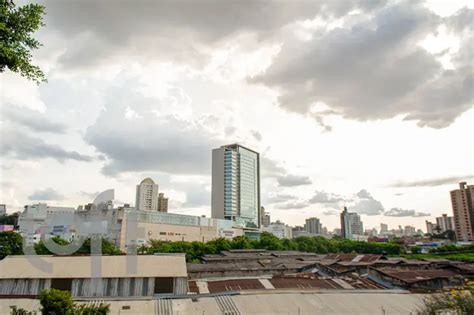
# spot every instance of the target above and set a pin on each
(119, 275)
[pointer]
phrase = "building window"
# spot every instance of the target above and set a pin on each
(163, 285)
(61, 284)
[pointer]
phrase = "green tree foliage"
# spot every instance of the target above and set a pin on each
(20, 311)
(446, 235)
(17, 24)
(320, 245)
(107, 247)
(56, 302)
(96, 308)
(10, 244)
(456, 302)
(9, 219)
(450, 248)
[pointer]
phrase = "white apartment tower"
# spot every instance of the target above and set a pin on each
(351, 224)
(462, 200)
(147, 195)
(236, 185)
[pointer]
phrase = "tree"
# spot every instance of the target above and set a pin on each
(107, 247)
(455, 302)
(17, 24)
(9, 219)
(56, 302)
(10, 244)
(416, 250)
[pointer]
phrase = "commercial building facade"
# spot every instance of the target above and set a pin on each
(139, 227)
(462, 201)
(236, 185)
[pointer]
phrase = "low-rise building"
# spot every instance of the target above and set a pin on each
(139, 227)
(115, 276)
(279, 229)
(416, 279)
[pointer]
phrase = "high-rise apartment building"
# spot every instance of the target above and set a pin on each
(266, 219)
(383, 229)
(351, 224)
(409, 230)
(462, 200)
(162, 203)
(236, 185)
(3, 209)
(313, 226)
(431, 228)
(445, 223)
(147, 195)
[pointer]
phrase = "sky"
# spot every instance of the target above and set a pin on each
(357, 103)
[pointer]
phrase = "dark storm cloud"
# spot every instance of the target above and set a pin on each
(33, 120)
(376, 70)
(293, 180)
(46, 194)
(449, 180)
(109, 28)
(397, 212)
(21, 146)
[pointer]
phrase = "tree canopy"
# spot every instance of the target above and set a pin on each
(320, 245)
(10, 244)
(17, 24)
(107, 247)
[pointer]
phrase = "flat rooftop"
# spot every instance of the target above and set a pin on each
(340, 303)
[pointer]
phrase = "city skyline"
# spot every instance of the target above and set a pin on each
(113, 114)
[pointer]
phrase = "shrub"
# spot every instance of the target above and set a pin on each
(92, 309)
(455, 302)
(56, 302)
(20, 311)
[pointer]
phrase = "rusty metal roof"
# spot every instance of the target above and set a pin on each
(412, 276)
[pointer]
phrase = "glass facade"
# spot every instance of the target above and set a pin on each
(241, 185)
(249, 189)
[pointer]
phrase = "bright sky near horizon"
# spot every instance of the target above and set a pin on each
(367, 104)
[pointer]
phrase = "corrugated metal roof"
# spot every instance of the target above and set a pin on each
(418, 275)
(28, 267)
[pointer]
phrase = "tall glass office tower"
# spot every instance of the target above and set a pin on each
(236, 185)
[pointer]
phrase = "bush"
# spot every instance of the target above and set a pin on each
(415, 250)
(20, 311)
(11, 243)
(92, 309)
(456, 302)
(56, 302)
